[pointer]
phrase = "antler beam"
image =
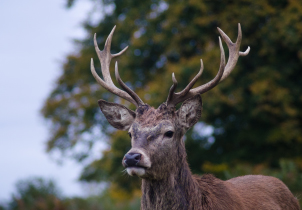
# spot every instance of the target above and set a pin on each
(105, 58)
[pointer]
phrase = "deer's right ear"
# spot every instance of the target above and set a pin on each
(117, 115)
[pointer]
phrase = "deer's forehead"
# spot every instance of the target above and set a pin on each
(140, 129)
(147, 115)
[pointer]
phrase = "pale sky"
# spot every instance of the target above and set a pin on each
(35, 37)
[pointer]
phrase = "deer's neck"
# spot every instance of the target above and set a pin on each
(173, 192)
(184, 191)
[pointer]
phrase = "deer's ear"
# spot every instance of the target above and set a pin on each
(117, 115)
(190, 112)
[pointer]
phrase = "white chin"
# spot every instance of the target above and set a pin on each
(132, 171)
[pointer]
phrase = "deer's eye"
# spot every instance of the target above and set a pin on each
(169, 134)
(130, 135)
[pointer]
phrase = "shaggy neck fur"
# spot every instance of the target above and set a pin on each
(183, 191)
(171, 192)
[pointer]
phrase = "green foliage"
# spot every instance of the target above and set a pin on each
(109, 168)
(35, 194)
(2, 206)
(104, 201)
(109, 202)
(42, 194)
(255, 113)
(70, 3)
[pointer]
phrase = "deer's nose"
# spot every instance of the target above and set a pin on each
(132, 159)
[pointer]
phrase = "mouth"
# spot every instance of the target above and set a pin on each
(136, 170)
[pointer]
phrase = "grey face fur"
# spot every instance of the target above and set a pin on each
(156, 134)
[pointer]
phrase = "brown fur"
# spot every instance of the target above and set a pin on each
(180, 190)
(149, 116)
(171, 185)
(167, 182)
(183, 191)
(158, 153)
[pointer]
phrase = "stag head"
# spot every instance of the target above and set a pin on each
(156, 134)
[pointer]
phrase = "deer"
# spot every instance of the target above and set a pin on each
(158, 155)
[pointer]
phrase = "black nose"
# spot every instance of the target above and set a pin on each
(132, 159)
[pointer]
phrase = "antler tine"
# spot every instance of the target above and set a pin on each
(109, 39)
(173, 95)
(208, 86)
(172, 89)
(234, 52)
(175, 98)
(126, 88)
(193, 81)
(105, 58)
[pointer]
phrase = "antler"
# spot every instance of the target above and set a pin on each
(105, 58)
(224, 71)
(234, 52)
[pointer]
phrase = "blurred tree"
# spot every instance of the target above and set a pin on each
(254, 114)
(36, 194)
(2, 206)
(43, 194)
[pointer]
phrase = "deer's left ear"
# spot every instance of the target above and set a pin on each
(190, 112)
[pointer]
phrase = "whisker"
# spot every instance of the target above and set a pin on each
(124, 172)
